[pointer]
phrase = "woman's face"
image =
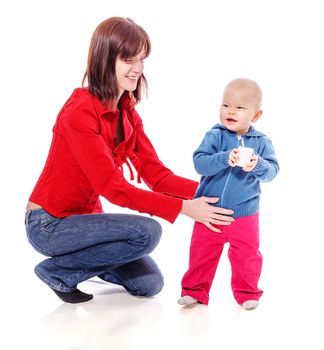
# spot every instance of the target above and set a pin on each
(128, 71)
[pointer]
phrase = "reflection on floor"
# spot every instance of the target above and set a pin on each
(116, 320)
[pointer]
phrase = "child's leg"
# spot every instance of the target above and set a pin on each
(205, 250)
(245, 258)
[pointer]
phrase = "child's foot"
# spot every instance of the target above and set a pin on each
(250, 304)
(73, 297)
(187, 300)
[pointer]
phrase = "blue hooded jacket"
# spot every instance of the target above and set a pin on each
(237, 189)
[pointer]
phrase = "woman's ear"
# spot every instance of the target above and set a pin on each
(257, 115)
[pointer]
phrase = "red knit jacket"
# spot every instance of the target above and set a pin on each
(83, 163)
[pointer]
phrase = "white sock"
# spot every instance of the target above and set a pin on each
(250, 304)
(187, 300)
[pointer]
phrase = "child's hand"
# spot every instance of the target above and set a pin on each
(233, 157)
(252, 164)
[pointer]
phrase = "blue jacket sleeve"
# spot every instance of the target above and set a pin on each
(268, 166)
(208, 158)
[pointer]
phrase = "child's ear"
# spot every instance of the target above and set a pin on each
(257, 115)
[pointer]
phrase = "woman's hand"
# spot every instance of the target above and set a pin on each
(200, 210)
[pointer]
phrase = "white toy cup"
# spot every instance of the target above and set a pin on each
(245, 154)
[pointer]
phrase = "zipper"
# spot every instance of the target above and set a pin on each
(240, 140)
(240, 143)
(225, 186)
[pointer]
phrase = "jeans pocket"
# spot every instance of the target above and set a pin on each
(30, 225)
(48, 225)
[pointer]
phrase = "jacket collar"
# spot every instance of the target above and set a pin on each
(252, 131)
(126, 103)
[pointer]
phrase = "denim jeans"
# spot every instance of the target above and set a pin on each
(114, 247)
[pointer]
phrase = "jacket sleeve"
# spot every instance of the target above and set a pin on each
(78, 123)
(268, 166)
(208, 159)
(154, 173)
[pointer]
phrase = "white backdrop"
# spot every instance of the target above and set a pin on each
(197, 47)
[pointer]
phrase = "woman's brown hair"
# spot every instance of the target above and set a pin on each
(116, 37)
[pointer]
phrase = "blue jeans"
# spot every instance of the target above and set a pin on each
(114, 247)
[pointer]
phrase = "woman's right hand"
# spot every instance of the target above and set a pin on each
(200, 210)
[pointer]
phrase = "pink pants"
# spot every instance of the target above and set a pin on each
(246, 260)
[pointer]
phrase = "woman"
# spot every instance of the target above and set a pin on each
(98, 130)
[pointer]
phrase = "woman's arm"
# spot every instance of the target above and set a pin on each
(154, 173)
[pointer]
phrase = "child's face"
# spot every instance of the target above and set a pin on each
(239, 109)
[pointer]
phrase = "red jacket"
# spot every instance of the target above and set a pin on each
(83, 163)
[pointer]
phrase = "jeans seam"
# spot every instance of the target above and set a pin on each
(50, 284)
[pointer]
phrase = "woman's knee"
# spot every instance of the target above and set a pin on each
(150, 231)
(155, 287)
(150, 287)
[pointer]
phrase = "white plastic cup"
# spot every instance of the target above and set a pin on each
(245, 154)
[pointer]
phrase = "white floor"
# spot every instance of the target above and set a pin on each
(290, 312)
